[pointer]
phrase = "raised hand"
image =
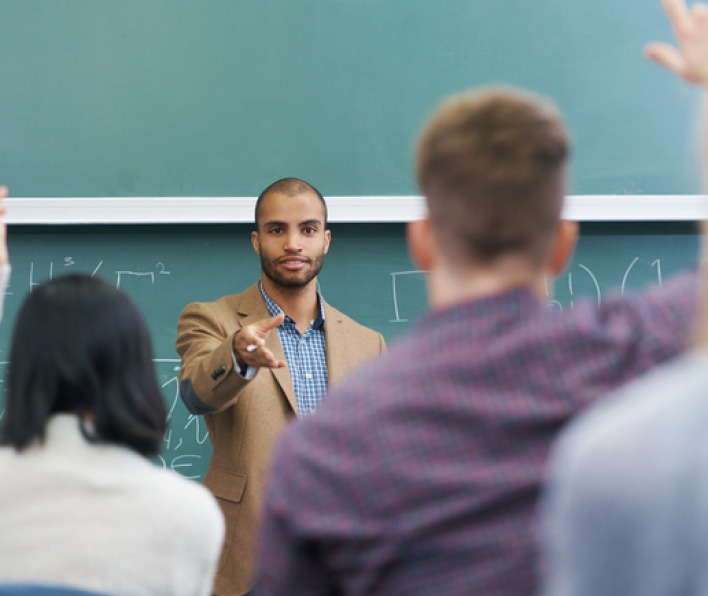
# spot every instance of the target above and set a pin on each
(4, 258)
(690, 59)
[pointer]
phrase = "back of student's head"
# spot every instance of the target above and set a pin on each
(81, 346)
(491, 164)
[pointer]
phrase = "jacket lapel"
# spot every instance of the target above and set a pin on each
(336, 345)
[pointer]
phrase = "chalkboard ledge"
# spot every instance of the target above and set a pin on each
(358, 209)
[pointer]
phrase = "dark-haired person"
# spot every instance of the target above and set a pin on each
(80, 503)
(420, 474)
(626, 509)
(253, 361)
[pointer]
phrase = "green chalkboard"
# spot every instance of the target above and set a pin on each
(220, 97)
(367, 274)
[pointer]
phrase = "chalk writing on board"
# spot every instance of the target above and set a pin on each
(394, 289)
(159, 270)
(185, 432)
(570, 278)
(120, 275)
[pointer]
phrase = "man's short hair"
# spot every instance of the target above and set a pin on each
(491, 164)
(290, 187)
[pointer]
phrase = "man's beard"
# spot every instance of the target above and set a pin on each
(283, 281)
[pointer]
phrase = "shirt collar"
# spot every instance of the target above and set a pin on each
(274, 309)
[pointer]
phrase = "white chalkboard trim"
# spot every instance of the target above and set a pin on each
(362, 209)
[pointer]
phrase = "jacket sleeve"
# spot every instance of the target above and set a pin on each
(209, 381)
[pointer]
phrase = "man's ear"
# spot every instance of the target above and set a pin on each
(563, 247)
(254, 242)
(328, 239)
(420, 243)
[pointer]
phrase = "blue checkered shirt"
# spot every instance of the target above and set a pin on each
(306, 356)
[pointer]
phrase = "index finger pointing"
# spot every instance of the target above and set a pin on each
(273, 322)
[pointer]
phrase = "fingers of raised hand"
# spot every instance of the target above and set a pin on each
(667, 56)
(690, 59)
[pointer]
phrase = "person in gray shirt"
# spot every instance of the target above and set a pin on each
(626, 506)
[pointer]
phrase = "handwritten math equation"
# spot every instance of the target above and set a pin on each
(38, 274)
(186, 448)
(570, 282)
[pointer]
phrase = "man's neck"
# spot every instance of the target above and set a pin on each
(300, 304)
(447, 287)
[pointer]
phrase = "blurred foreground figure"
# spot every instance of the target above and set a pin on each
(81, 504)
(421, 474)
(627, 506)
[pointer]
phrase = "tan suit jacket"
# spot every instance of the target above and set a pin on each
(245, 418)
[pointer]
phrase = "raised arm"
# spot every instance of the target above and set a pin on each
(689, 57)
(4, 256)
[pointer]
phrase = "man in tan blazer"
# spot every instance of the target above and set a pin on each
(253, 361)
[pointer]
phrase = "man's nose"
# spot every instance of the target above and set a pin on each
(293, 242)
